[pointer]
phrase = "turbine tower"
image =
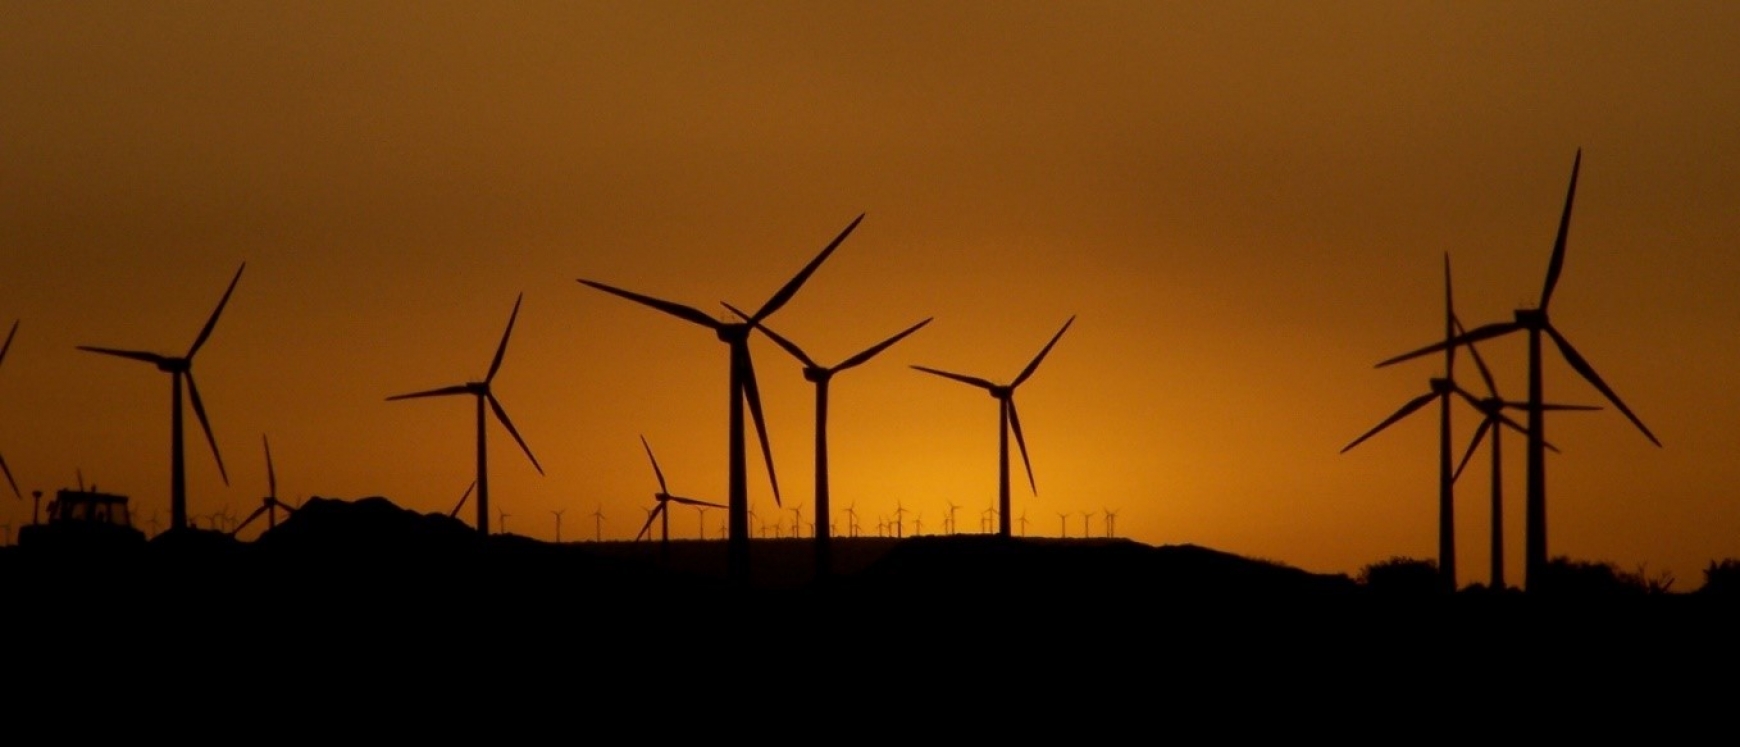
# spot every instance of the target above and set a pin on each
(481, 390)
(1007, 419)
(180, 369)
(742, 389)
(1536, 322)
(821, 375)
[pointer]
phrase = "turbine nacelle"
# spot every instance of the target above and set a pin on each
(733, 333)
(1002, 393)
(817, 374)
(1531, 318)
(1442, 385)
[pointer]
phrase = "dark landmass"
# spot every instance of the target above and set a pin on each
(345, 584)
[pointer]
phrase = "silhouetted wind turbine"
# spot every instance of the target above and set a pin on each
(558, 515)
(821, 375)
(3, 468)
(950, 526)
(270, 504)
(1111, 523)
(1063, 524)
(664, 498)
(598, 524)
(1535, 322)
(852, 517)
(1440, 389)
(481, 390)
(179, 369)
(742, 389)
(1005, 396)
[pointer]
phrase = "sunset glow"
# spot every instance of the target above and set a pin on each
(1243, 206)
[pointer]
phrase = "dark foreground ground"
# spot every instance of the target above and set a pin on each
(362, 593)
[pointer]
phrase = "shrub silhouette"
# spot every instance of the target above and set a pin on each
(1401, 576)
(1588, 578)
(1722, 578)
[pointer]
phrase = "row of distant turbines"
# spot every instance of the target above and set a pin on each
(1493, 421)
(743, 391)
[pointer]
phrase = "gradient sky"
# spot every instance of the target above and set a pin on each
(1246, 205)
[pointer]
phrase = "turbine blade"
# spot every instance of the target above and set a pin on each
(212, 322)
(974, 380)
(501, 350)
(650, 516)
(865, 356)
(655, 463)
(696, 502)
(1588, 372)
(138, 355)
(1474, 443)
(1479, 333)
(9, 336)
(1028, 371)
(1021, 441)
(1450, 323)
(1557, 264)
(1466, 396)
(791, 287)
(249, 520)
(199, 410)
(752, 393)
(1479, 362)
(1406, 410)
(501, 415)
(442, 392)
(454, 514)
(9, 480)
(788, 345)
(674, 309)
(271, 474)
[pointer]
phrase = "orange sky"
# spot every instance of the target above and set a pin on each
(1246, 205)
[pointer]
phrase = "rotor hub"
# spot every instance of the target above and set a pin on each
(733, 333)
(1532, 318)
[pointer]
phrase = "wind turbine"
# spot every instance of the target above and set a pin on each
(797, 521)
(852, 517)
(1111, 523)
(1535, 322)
(270, 504)
(598, 524)
(3, 468)
(742, 388)
(664, 498)
(1005, 396)
(900, 513)
(501, 527)
(952, 527)
(558, 515)
(821, 375)
(1063, 524)
(1087, 523)
(481, 390)
(1439, 389)
(179, 369)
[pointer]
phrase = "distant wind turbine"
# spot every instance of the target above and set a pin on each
(181, 369)
(270, 504)
(1005, 396)
(598, 524)
(481, 390)
(1535, 322)
(558, 515)
(664, 498)
(743, 389)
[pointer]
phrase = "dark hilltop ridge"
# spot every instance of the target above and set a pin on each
(361, 573)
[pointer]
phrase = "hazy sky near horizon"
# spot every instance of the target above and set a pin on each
(1245, 204)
